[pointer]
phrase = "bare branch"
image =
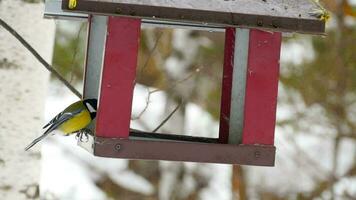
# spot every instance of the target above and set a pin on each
(197, 70)
(173, 85)
(146, 106)
(151, 52)
(39, 58)
(168, 117)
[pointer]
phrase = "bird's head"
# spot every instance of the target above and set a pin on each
(91, 105)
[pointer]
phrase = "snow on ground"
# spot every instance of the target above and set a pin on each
(65, 176)
(297, 158)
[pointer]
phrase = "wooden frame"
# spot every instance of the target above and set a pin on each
(118, 77)
(292, 16)
(250, 78)
(113, 137)
(261, 155)
(250, 75)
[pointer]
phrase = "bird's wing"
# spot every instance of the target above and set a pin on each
(53, 120)
(54, 123)
(62, 114)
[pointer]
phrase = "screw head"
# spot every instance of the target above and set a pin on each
(117, 147)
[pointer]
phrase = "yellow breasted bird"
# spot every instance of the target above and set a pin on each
(71, 120)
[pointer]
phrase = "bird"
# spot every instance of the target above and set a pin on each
(71, 120)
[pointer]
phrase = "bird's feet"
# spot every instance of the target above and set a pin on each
(83, 135)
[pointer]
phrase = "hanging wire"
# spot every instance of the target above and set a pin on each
(39, 58)
(56, 74)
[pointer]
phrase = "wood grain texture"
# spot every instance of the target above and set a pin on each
(278, 15)
(280, 8)
(185, 151)
(118, 77)
(238, 86)
(226, 85)
(261, 87)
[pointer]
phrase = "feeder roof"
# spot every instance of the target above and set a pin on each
(276, 15)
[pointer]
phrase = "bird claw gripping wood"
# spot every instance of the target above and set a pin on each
(83, 135)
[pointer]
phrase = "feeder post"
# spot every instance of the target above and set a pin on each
(250, 86)
(97, 26)
(118, 77)
(226, 85)
(261, 87)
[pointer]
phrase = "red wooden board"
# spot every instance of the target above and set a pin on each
(261, 87)
(226, 85)
(118, 77)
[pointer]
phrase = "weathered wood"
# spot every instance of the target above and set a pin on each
(94, 55)
(141, 135)
(279, 15)
(185, 151)
(118, 77)
(238, 86)
(261, 87)
(226, 85)
(53, 10)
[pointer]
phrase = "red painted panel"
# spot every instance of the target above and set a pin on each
(261, 87)
(118, 77)
(226, 85)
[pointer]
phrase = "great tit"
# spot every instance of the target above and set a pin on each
(71, 120)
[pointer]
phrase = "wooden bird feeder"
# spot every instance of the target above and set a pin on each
(250, 75)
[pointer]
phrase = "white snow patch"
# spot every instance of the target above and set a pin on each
(132, 181)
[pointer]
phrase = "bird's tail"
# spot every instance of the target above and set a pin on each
(35, 141)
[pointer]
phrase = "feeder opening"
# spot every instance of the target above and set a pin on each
(179, 68)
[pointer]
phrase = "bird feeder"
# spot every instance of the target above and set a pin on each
(253, 33)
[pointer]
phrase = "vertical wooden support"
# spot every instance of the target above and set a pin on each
(93, 63)
(97, 26)
(250, 86)
(238, 86)
(94, 55)
(234, 82)
(118, 77)
(261, 87)
(226, 85)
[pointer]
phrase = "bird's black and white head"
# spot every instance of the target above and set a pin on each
(91, 105)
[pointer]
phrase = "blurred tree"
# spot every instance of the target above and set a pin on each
(23, 84)
(69, 49)
(328, 80)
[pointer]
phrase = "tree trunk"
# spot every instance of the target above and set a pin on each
(238, 183)
(23, 84)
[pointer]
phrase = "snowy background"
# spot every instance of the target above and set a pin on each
(315, 133)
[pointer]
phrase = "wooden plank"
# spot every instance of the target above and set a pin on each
(53, 9)
(277, 15)
(226, 85)
(94, 55)
(118, 77)
(261, 87)
(97, 26)
(87, 142)
(238, 86)
(141, 135)
(185, 151)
